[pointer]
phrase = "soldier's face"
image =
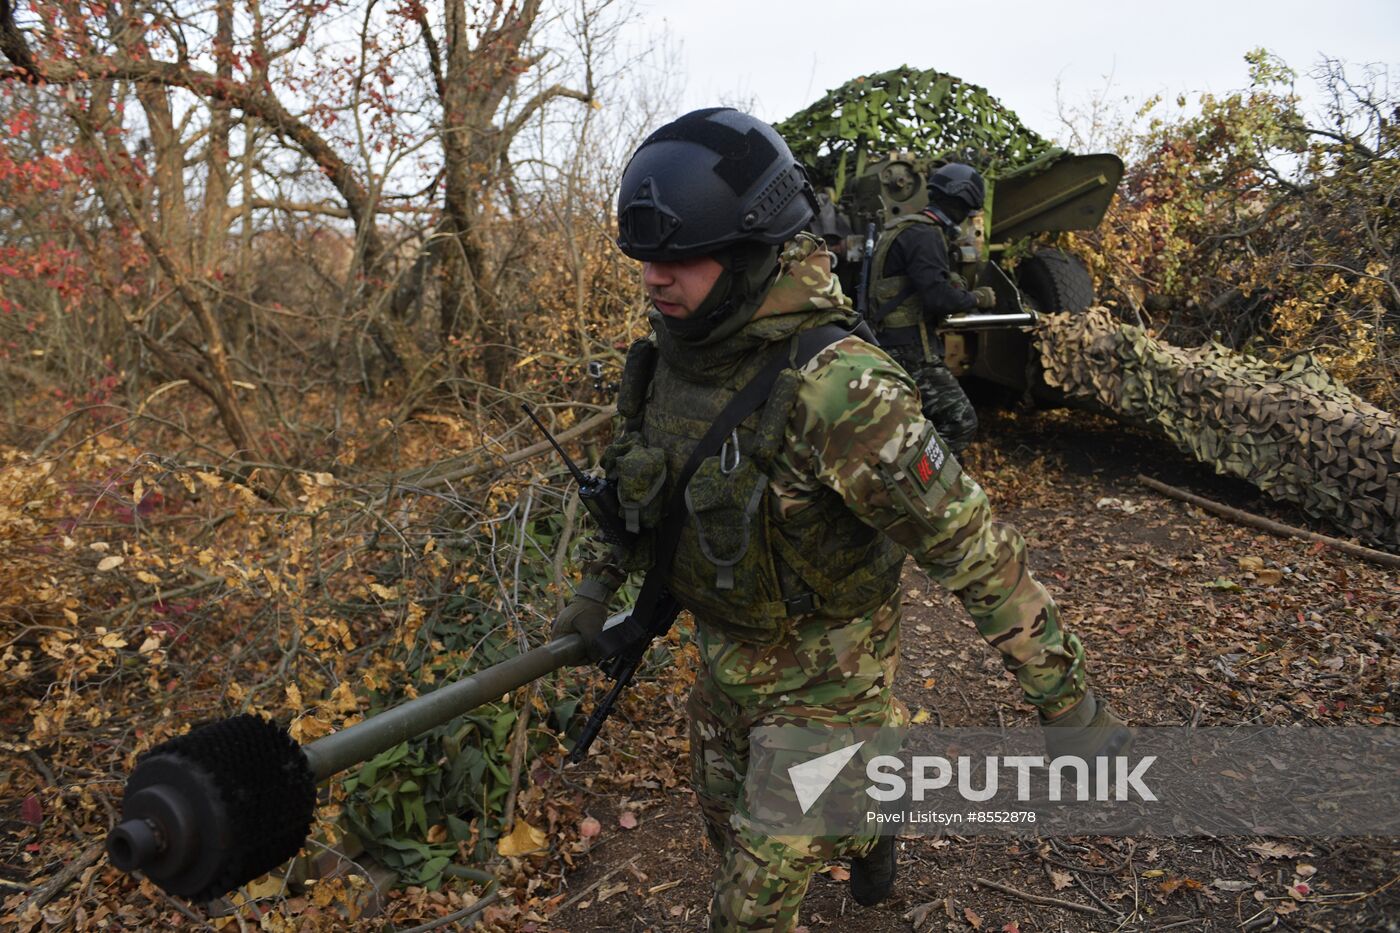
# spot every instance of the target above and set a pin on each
(678, 288)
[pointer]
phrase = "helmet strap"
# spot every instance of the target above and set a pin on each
(695, 327)
(749, 271)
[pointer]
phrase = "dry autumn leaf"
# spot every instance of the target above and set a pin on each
(611, 891)
(110, 563)
(270, 886)
(1174, 884)
(1220, 884)
(1274, 849)
(343, 699)
(32, 810)
(523, 840)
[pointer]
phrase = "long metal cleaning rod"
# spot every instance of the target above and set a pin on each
(362, 741)
(988, 321)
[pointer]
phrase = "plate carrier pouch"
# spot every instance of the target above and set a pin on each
(897, 314)
(738, 567)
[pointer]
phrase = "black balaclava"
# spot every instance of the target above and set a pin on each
(950, 211)
(748, 271)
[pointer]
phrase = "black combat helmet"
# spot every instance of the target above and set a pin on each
(707, 180)
(957, 188)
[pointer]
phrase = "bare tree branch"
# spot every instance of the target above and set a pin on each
(260, 104)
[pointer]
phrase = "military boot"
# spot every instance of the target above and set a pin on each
(872, 875)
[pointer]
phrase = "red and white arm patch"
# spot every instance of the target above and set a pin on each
(930, 461)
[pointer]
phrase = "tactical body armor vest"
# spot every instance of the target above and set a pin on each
(739, 567)
(897, 314)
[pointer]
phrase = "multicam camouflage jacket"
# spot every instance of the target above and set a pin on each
(798, 527)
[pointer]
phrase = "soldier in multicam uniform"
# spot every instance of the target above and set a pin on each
(912, 289)
(791, 554)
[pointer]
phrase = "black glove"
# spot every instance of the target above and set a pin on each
(1087, 730)
(986, 296)
(586, 613)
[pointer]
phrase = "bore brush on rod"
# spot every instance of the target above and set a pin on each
(211, 810)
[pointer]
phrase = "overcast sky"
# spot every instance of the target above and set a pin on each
(781, 56)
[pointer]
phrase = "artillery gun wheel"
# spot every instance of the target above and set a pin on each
(1005, 365)
(1056, 281)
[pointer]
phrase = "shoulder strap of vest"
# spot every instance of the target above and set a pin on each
(892, 231)
(745, 402)
(636, 377)
(655, 609)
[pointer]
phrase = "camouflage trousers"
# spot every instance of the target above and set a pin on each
(763, 878)
(942, 398)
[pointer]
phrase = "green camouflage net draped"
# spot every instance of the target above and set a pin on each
(926, 113)
(1289, 429)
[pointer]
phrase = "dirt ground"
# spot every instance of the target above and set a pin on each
(1188, 619)
(1179, 631)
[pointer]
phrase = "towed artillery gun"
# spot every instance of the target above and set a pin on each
(1055, 193)
(1287, 427)
(870, 146)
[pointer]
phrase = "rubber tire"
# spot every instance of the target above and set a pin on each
(1056, 281)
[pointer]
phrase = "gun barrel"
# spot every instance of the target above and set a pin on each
(364, 740)
(989, 321)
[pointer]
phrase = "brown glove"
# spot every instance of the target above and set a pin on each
(586, 613)
(985, 296)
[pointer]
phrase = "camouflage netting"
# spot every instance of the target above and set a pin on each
(1289, 429)
(924, 112)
